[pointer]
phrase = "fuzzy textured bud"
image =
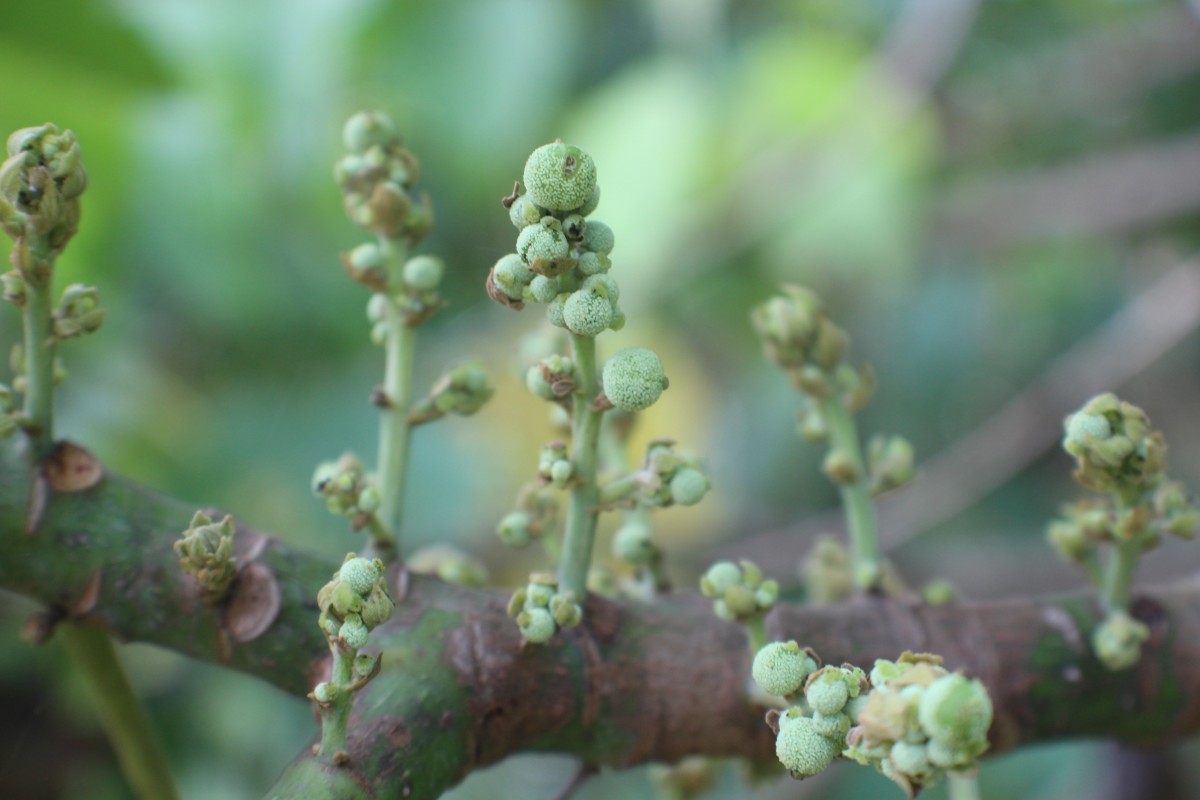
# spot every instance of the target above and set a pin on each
(634, 379)
(560, 177)
(781, 668)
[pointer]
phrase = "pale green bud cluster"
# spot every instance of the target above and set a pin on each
(378, 176)
(738, 591)
(633, 543)
(536, 515)
(812, 732)
(354, 603)
(554, 465)
(78, 313)
(666, 478)
(347, 489)
(553, 378)
(540, 608)
(1116, 452)
(40, 184)
(919, 721)
(561, 259)
(1113, 445)
(633, 378)
(796, 333)
(448, 563)
(461, 390)
(205, 551)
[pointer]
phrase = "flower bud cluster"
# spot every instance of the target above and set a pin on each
(1113, 446)
(796, 333)
(666, 478)
(535, 516)
(554, 464)
(205, 551)
(738, 591)
(540, 608)
(347, 489)
(354, 603)
(461, 390)
(552, 378)
(78, 313)
(40, 184)
(889, 463)
(812, 732)
(919, 721)
(561, 259)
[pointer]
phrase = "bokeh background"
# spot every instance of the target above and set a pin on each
(997, 199)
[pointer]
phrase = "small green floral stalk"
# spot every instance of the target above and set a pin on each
(562, 261)
(1117, 454)
(377, 179)
(41, 181)
(352, 604)
(800, 338)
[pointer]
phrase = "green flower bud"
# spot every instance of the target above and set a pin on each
(205, 551)
(324, 692)
(542, 243)
(957, 710)
(632, 543)
(634, 379)
(556, 311)
(839, 467)
(598, 238)
(463, 390)
(573, 226)
(560, 472)
(537, 625)
(360, 573)
(719, 577)
(353, 632)
(368, 129)
(515, 529)
(566, 612)
(911, 760)
(524, 212)
(587, 313)
(1117, 641)
(688, 486)
(560, 177)
(1113, 445)
(345, 600)
(835, 727)
(788, 325)
(378, 606)
(510, 275)
(891, 462)
(827, 691)
(364, 664)
(543, 289)
(593, 263)
(941, 754)
(802, 749)
(423, 273)
(781, 668)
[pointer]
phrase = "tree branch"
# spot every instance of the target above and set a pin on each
(636, 683)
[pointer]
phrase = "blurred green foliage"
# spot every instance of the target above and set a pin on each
(739, 144)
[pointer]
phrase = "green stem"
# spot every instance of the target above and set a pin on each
(962, 786)
(394, 428)
(138, 750)
(580, 533)
(335, 718)
(1119, 575)
(39, 355)
(856, 495)
(756, 632)
(617, 490)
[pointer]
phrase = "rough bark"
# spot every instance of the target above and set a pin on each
(635, 683)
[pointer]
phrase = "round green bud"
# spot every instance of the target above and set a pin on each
(560, 472)
(368, 129)
(593, 263)
(719, 577)
(378, 607)
(781, 668)
(941, 754)
(587, 313)
(353, 632)
(423, 273)
(1081, 426)
(542, 242)
(556, 311)
(574, 226)
(539, 595)
(511, 276)
(688, 486)
(802, 749)
(603, 285)
(514, 529)
(560, 177)
(911, 759)
(598, 238)
(543, 289)
(366, 257)
(632, 543)
(634, 378)
(324, 692)
(956, 710)
(835, 727)
(591, 204)
(537, 625)
(524, 212)
(827, 693)
(536, 382)
(1118, 640)
(361, 574)
(369, 499)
